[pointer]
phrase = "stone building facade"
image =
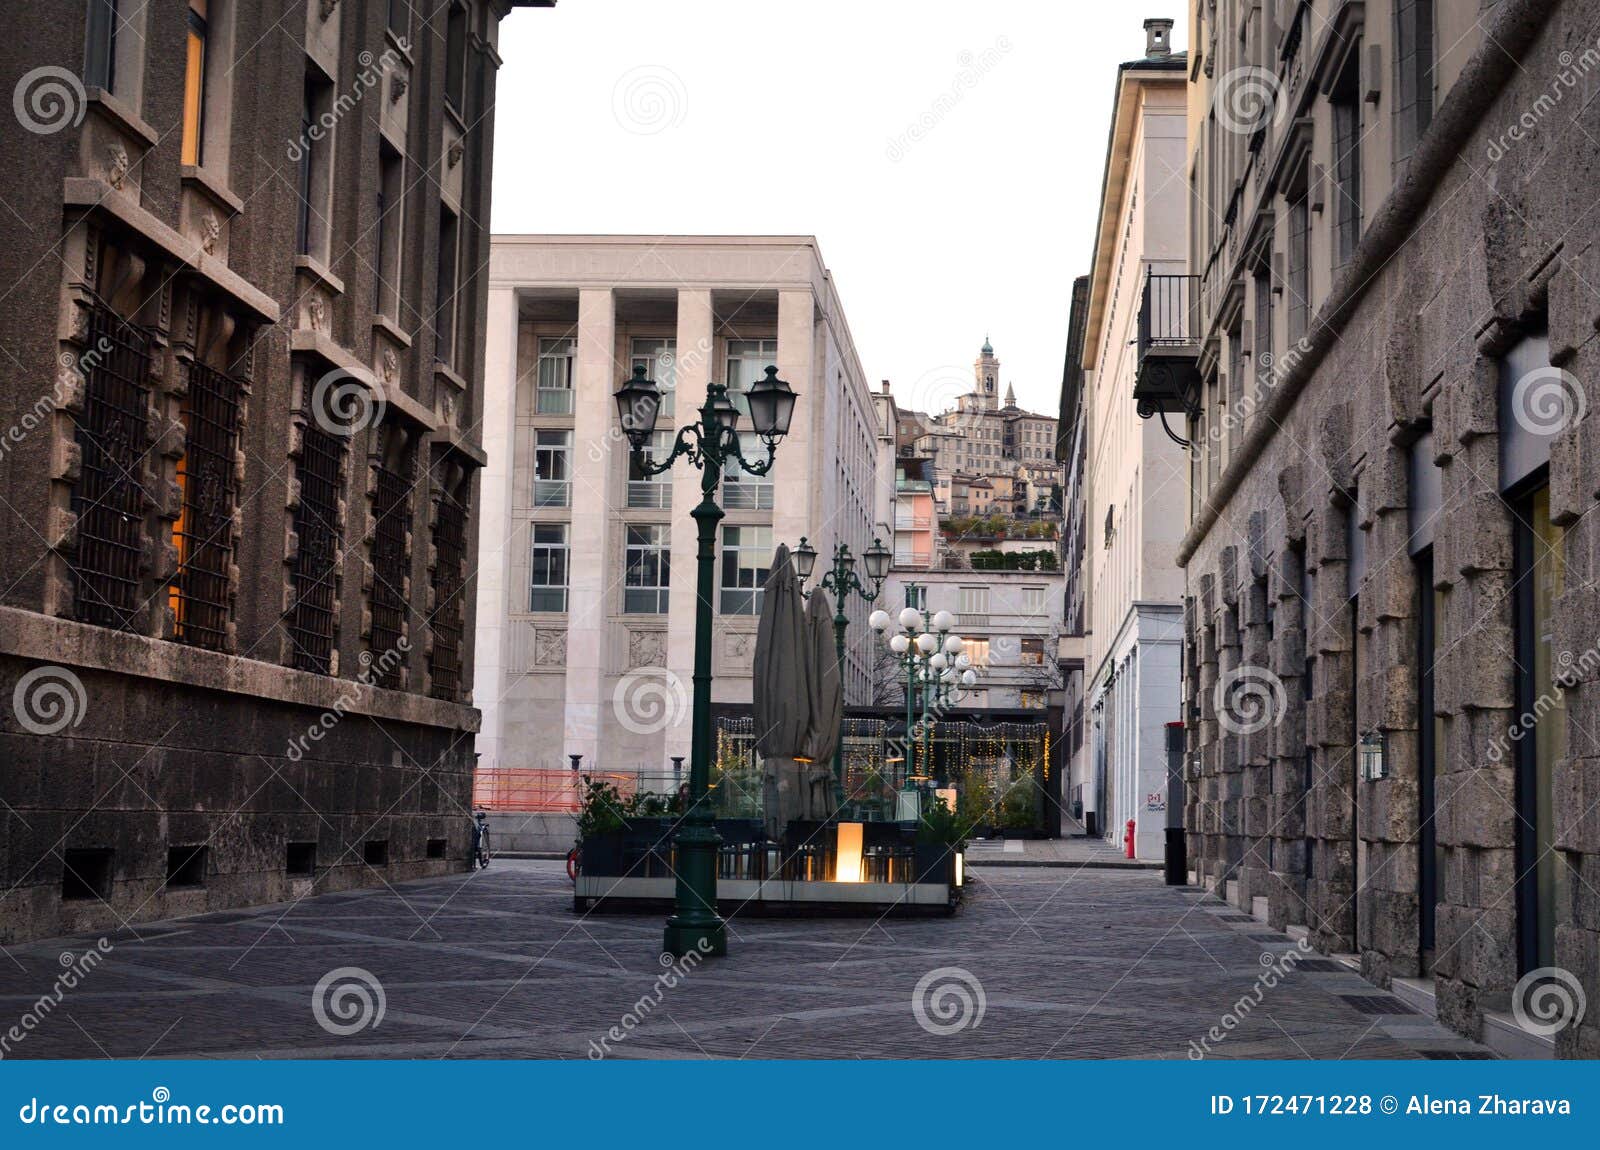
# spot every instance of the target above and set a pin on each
(1134, 475)
(1391, 569)
(243, 336)
(587, 599)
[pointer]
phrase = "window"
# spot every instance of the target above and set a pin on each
(316, 164)
(1263, 333)
(445, 313)
(100, 48)
(659, 359)
(916, 597)
(399, 16)
(548, 585)
(748, 360)
(1031, 700)
(743, 491)
(1346, 105)
(973, 601)
(1413, 65)
(1033, 600)
(552, 469)
(194, 83)
(449, 581)
(316, 525)
(646, 580)
(455, 59)
(108, 498)
(650, 491)
(203, 531)
(86, 873)
(1299, 270)
(978, 651)
(391, 524)
(386, 280)
(746, 556)
(186, 866)
(1032, 654)
(554, 383)
(1543, 893)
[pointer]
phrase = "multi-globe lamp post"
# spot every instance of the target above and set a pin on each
(843, 582)
(710, 443)
(936, 669)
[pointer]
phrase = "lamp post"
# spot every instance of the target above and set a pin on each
(935, 664)
(843, 581)
(709, 443)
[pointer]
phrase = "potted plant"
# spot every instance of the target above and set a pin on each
(600, 827)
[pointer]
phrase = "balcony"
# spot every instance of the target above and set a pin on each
(1168, 376)
(649, 494)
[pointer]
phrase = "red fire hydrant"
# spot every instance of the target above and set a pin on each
(1127, 839)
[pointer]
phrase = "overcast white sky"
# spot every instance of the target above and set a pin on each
(754, 116)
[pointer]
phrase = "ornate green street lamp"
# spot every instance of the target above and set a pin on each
(843, 582)
(709, 443)
(937, 669)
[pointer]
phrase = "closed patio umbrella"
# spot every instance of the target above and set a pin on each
(827, 705)
(781, 695)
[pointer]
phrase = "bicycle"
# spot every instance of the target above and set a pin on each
(480, 842)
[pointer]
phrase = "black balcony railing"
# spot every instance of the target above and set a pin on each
(1168, 378)
(1169, 314)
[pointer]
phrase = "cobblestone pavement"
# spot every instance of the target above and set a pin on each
(1090, 963)
(1069, 851)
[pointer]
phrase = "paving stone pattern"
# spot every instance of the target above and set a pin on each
(1072, 963)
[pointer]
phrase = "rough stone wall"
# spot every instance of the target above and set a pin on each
(1503, 246)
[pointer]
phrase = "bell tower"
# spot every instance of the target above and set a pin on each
(986, 378)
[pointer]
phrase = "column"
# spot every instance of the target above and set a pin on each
(696, 366)
(495, 528)
(590, 575)
(799, 476)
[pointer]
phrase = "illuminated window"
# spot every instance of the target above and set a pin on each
(194, 81)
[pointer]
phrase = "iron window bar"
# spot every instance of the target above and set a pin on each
(391, 515)
(207, 476)
(109, 499)
(449, 540)
(311, 616)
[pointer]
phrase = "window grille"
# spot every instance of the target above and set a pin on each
(449, 541)
(204, 530)
(311, 618)
(391, 515)
(108, 498)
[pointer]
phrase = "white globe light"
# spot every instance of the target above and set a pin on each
(927, 643)
(948, 677)
(939, 662)
(954, 643)
(911, 619)
(943, 621)
(900, 644)
(963, 661)
(878, 620)
(968, 677)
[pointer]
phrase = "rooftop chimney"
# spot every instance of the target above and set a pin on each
(1157, 39)
(886, 387)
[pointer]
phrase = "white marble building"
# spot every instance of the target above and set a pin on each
(586, 597)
